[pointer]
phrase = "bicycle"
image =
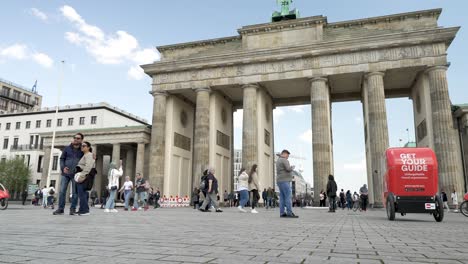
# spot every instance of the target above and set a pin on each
(4, 196)
(357, 205)
(464, 205)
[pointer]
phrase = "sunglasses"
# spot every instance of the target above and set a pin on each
(84, 145)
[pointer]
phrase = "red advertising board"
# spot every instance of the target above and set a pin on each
(411, 172)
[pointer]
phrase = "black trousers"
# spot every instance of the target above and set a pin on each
(254, 198)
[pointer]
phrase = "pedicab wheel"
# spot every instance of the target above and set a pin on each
(439, 211)
(464, 208)
(390, 207)
(3, 204)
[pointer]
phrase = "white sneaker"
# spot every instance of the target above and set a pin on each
(140, 208)
(254, 211)
(114, 211)
(241, 209)
(106, 210)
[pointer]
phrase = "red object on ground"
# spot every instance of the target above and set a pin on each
(411, 172)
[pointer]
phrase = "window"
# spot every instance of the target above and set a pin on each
(3, 105)
(8, 125)
(5, 143)
(54, 163)
(39, 164)
(59, 122)
(15, 143)
(82, 120)
(28, 124)
(16, 95)
(38, 123)
(70, 121)
(36, 101)
(6, 91)
(38, 182)
(31, 140)
(93, 120)
(18, 125)
(49, 123)
(27, 98)
(13, 106)
(52, 182)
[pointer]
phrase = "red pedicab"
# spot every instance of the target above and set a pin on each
(411, 183)
(4, 196)
(464, 205)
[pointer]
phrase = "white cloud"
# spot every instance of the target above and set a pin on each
(39, 14)
(118, 48)
(238, 118)
(22, 52)
(16, 51)
(43, 59)
(306, 136)
(297, 108)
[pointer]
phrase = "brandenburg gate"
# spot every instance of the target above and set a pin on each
(196, 87)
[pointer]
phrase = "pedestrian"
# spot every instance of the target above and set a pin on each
(331, 193)
(243, 189)
(37, 196)
(140, 193)
(455, 200)
(236, 199)
(211, 192)
(284, 179)
(24, 196)
(157, 196)
(264, 197)
(275, 198)
(45, 190)
(364, 194)
(195, 196)
(445, 200)
(270, 195)
(226, 198)
(113, 179)
(322, 198)
(93, 196)
(104, 196)
(349, 199)
(342, 199)
(254, 186)
(83, 168)
(127, 191)
(50, 196)
(231, 198)
(69, 159)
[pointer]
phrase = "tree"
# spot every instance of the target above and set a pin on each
(14, 175)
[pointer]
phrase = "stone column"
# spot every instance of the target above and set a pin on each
(130, 163)
(101, 178)
(116, 154)
(445, 147)
(45, 167)
(140, 159)
(250, 126)
(321, 134)
(378, 132)
(201, 147)
(158, 140)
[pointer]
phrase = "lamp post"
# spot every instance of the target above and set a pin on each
(54, 122)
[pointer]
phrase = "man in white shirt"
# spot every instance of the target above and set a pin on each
(45, 191)
(455, 200)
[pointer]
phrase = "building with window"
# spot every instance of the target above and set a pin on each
(107, 128)
(17, 98)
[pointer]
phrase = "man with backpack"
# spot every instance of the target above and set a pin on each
(140, 192)
(331, 191)
(211, 183)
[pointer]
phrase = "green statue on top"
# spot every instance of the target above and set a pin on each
(285, 13)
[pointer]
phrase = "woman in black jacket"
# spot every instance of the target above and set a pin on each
(331, 192)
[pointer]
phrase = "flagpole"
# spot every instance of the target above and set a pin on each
(54, 122)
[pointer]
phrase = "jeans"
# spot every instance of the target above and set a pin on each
(142, 196)
(269, 202)
(63, 192)
(83, 196)
(349, 203)
(285, 198)
(127, 197)
(50, 200)
(210, 198)
(364, 202)
(44, 201)
(332, 203)
(111, 200)
(244, 197)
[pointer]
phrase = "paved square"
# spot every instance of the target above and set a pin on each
(33, 235)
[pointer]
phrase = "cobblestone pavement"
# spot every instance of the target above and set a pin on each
(33, 235)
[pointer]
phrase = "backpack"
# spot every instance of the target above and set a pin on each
(204, 183)
(51, 192)
(89, 181)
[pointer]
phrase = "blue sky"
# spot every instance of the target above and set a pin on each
(102, 42)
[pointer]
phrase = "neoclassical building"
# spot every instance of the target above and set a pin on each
(197, 86)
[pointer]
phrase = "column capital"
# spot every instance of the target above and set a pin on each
(436, 68)
(318, 79)
(158, 93)
(203, 89)
(370, 74)
(250, 85)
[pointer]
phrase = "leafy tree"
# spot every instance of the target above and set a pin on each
(14, 175)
